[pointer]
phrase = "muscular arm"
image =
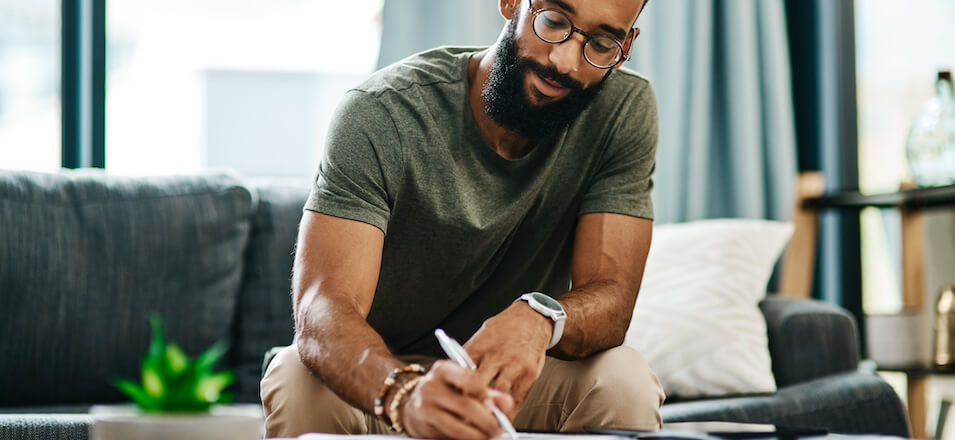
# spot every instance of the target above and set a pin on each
(610, 251)
(333, 284)
(335, 275)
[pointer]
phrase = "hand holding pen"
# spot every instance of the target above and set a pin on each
(456, 352)
(452, 402)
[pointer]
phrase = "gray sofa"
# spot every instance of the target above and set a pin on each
(84, 258)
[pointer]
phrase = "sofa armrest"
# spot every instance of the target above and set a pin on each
(809, 339)
(848, 403)
(45, 426)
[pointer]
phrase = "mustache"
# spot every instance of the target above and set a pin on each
(552, 74)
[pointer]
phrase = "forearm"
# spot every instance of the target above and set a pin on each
(598, 316)
(338, 345)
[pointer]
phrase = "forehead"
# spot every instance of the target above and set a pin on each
(619, 14)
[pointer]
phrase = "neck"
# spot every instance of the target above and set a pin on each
(504, 142)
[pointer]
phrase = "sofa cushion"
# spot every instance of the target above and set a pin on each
(264, 315)
(84, 259)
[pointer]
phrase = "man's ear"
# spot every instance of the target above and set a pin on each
(508, 8)
(628, 44)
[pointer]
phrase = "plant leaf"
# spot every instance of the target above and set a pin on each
(152, 379)
(158, 343)
(176, 360)
(172, 382)
(208, 358)
(210, 387)
(137, 394)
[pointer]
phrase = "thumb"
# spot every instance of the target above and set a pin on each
(503, 401)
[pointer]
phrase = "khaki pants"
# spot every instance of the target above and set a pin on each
(612, 388)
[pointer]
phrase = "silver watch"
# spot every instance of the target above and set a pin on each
(549, 307)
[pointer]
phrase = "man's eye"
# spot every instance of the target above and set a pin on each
(602, 45)
(553, 23)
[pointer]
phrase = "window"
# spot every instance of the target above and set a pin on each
(246, 84)
(900, 47)
(29, 85)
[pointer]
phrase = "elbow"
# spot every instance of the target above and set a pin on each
(583, 349)
(616, 340)
(310, 312)
(300, 312)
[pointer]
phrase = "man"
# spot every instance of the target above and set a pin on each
(455, 182)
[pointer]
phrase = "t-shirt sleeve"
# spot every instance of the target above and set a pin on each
(624, 178)
(352, 181)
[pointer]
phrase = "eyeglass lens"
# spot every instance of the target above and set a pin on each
(554, 26)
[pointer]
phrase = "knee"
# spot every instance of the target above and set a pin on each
(617, 388)
(296, 402)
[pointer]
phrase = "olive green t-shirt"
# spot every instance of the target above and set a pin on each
(467, 231)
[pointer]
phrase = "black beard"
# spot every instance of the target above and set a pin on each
(506, 102)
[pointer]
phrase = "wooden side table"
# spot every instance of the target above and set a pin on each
(912, 204)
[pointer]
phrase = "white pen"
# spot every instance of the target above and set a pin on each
(456, 352)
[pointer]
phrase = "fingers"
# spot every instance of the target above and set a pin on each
(519, 391)
(474, 413)
(487, 373)
(445, 425)
(452, 400)
(504, 382)
(463, 379)
(509, 386)
(515, 381)
(503, 401)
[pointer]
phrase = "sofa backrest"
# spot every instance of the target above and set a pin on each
(84, 259)
(264, 313)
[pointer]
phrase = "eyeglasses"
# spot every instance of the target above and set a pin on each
(553, 26)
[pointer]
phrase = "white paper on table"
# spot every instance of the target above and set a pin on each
(520, 436)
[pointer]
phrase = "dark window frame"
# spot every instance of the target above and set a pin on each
(822, 48)
(83, 83)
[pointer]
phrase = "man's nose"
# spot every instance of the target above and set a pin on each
(566, 56)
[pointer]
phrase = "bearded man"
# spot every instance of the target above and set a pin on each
(466, 190)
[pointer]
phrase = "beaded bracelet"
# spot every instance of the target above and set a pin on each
(389, 382)
(396, 403)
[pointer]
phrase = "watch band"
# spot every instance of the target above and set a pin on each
(551, 309)
(558, 333)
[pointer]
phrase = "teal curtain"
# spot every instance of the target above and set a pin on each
(722, 76)
(721, 72)
(822, 49)
(411, 26)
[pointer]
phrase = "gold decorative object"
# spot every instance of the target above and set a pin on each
(945, 328)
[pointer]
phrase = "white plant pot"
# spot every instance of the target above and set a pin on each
(225, 422)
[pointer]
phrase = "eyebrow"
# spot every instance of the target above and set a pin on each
(616, 32)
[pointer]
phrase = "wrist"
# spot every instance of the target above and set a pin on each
(396, 408)
(540, 321)
(393, 392)
(393, 383)
(550, 309)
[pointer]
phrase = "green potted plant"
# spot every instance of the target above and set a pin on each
(177, 397)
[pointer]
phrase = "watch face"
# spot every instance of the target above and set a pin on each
(547, 301)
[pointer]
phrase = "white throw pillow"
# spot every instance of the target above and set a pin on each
(697, 320)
